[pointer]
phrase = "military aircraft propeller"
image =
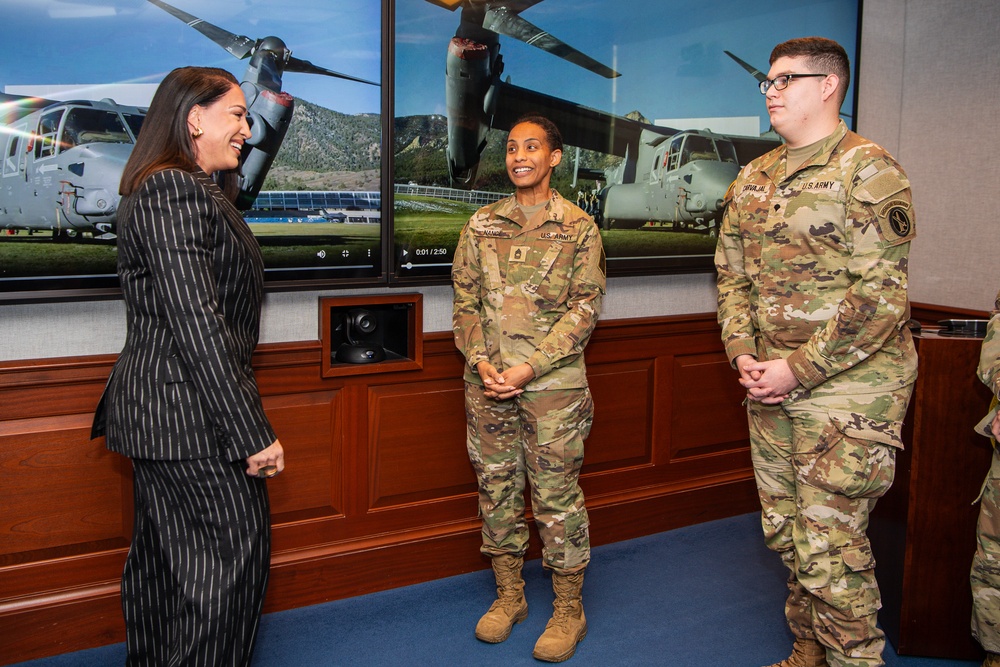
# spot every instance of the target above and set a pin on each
(267, 50)
(269, 109)
(473, 70)
(666, 176)
(62, 161)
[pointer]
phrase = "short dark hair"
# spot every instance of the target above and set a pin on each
(164, 142)
(553, 137)
(823, 54)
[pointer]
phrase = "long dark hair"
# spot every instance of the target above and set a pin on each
(164, 142)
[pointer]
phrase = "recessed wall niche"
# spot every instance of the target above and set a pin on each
(371, 334)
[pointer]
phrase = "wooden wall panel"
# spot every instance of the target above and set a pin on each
(52, 387)
(708, 415)
(377, 472)
(623, 412)
(310, 433)
(418, 443)
(37, 456)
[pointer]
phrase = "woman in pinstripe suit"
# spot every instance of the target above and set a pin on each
(182, 401)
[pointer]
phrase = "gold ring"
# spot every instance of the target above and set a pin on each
(264, 472)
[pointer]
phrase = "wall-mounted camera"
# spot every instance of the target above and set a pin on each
(377, 333)
(362, 345)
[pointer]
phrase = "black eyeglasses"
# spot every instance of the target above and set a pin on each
(781, 82)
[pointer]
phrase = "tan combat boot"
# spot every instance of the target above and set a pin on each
(510, 607)
(568, 625)
(805, 653)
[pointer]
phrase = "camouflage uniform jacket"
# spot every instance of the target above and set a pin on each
(528, 291)
(812, 266)
(989, 358)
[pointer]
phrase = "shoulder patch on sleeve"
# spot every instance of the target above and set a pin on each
(895, 220)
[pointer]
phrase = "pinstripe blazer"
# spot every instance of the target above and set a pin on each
(191, 276)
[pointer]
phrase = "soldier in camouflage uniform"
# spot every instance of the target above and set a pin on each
(529, 278)
(812, 278)
(985, 575)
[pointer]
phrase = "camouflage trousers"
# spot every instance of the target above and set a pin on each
(985, 576)
(821, 461)
(535, 437)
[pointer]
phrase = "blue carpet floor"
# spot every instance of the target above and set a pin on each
(709, 595)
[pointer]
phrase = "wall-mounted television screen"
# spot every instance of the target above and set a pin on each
(658, 104)
(76, 78)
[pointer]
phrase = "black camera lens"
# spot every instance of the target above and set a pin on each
(364, 322)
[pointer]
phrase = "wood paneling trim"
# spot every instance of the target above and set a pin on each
(378, 491)
(926, 313)
(923, 531)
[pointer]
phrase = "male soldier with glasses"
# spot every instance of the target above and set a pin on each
(812, 278)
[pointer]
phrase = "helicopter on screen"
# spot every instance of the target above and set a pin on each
(679, 178)
(667, 175)
(62, 161)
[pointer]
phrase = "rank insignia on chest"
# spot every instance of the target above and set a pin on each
(519, 253)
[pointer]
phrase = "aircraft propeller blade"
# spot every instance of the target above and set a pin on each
(516, 6)
(306, 67)
(754, 72)
(238, 45)
(242, 46)
(503, 17)
(505, 21)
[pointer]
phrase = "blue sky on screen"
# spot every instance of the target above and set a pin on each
(669, 52)
(60, 42)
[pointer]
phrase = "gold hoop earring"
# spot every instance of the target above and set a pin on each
(197, 133)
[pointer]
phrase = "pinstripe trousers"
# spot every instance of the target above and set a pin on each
(195, 576)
